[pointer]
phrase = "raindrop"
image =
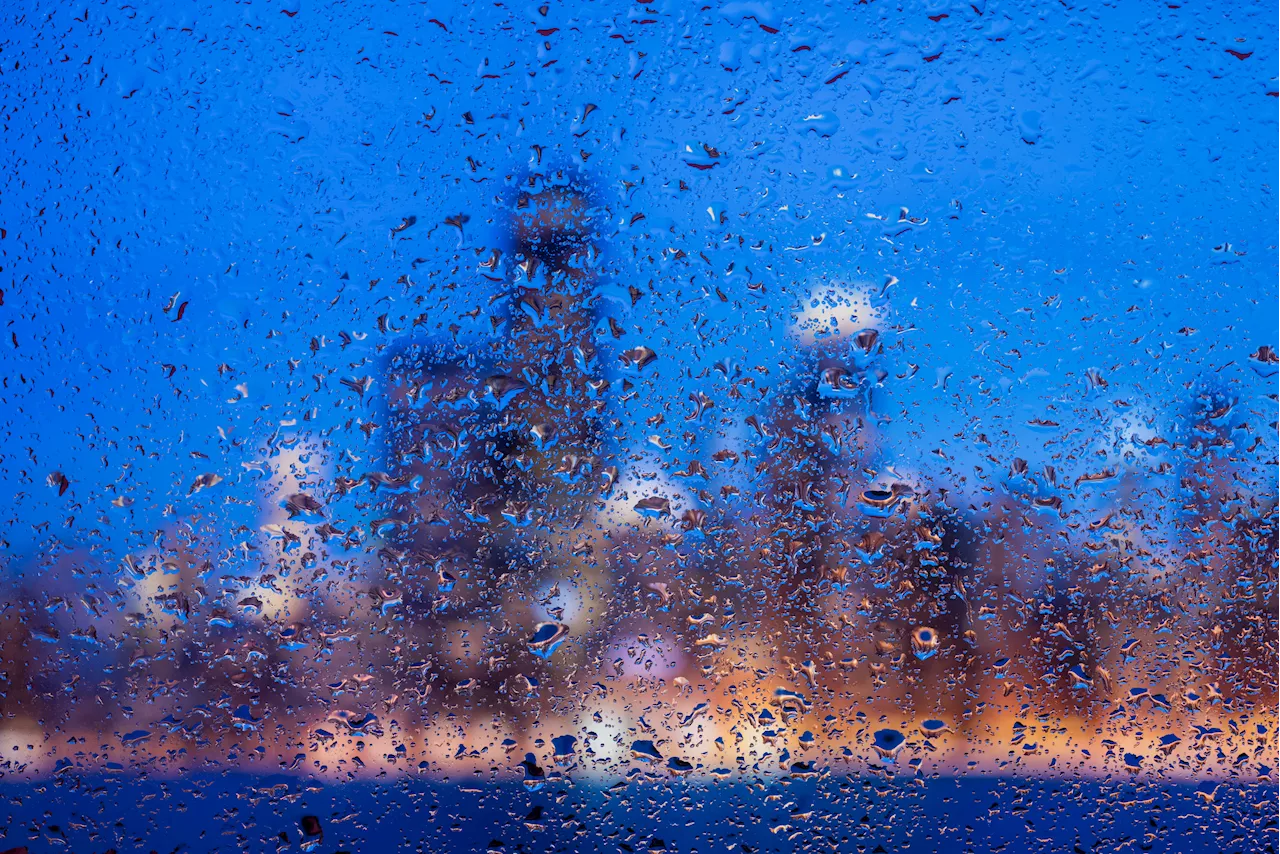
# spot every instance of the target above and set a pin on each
(888, 743)
(546, 638)
(924, 641)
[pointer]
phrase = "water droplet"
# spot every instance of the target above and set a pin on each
(924, 641)
(934, 727)
(546, 638)
(645, 751)
(888, 743)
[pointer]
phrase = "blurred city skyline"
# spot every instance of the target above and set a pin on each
(561, 393)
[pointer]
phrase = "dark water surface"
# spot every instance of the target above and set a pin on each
(243, 813)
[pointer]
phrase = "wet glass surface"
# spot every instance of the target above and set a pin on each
(753, 426)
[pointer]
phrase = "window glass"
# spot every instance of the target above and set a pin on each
(741, 427)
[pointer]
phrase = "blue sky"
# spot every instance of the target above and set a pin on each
(1082, 172)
